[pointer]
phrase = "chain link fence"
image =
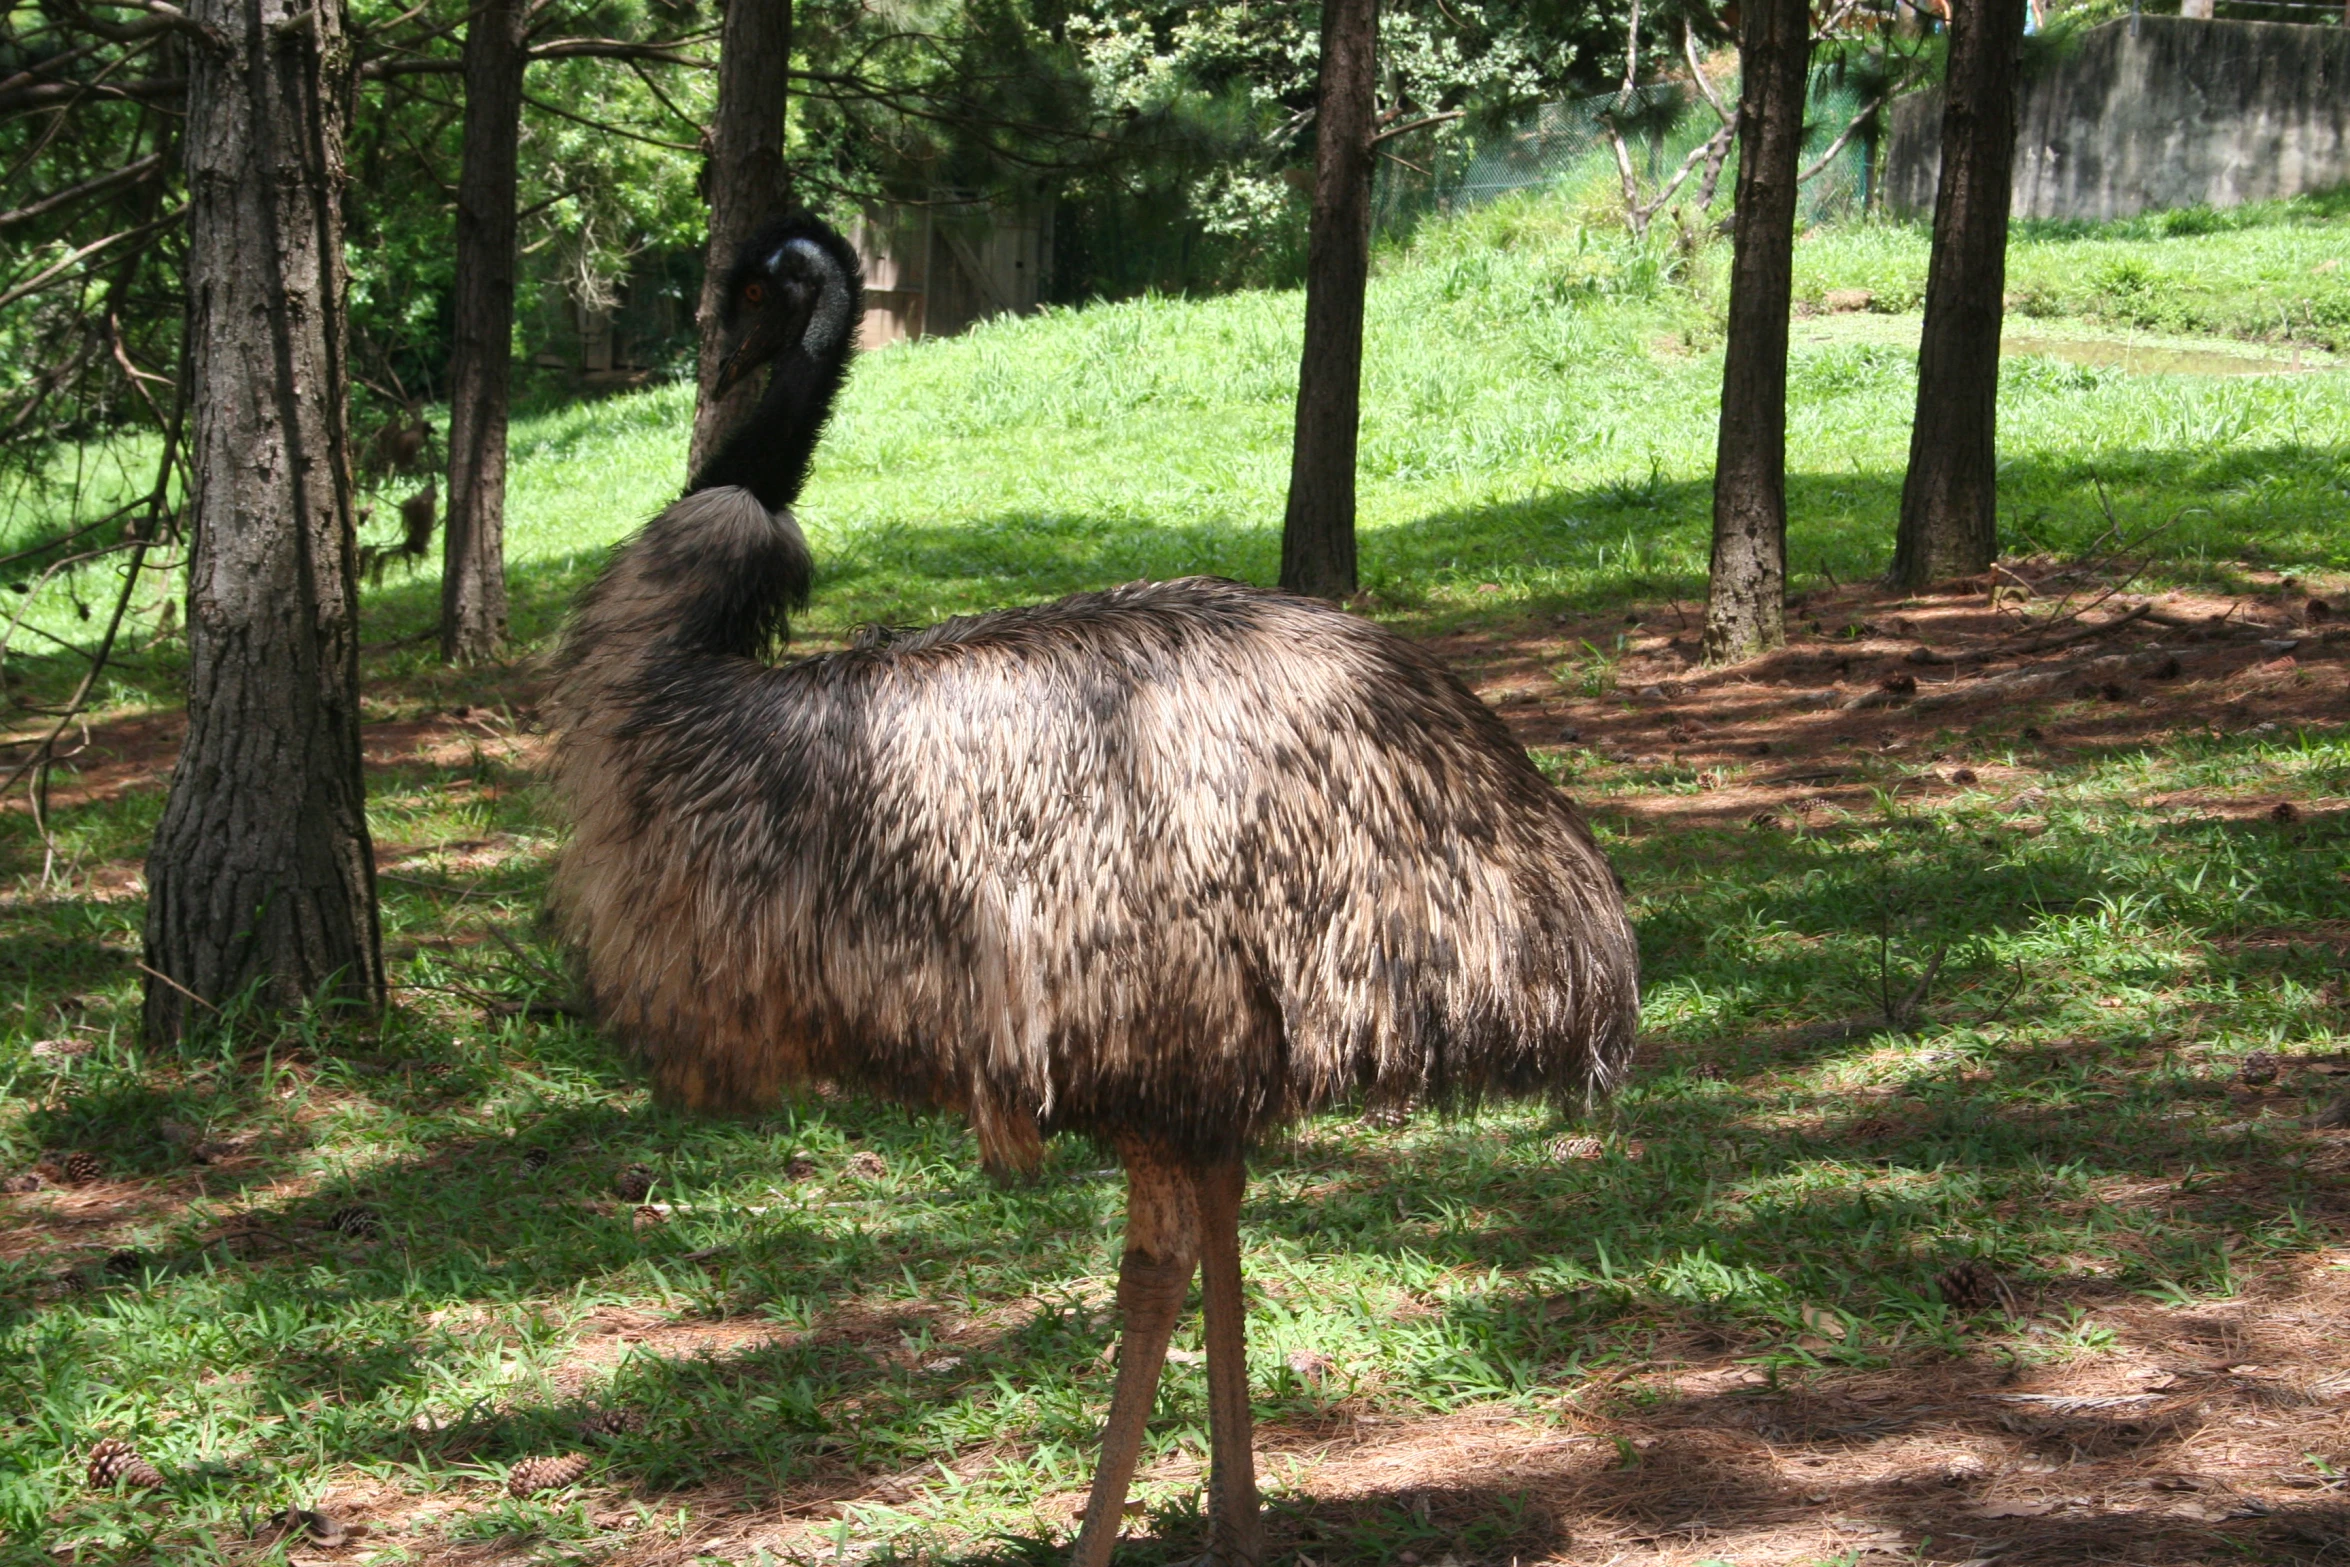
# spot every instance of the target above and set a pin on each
(1564, 148)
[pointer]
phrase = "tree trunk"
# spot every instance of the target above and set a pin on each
(1318, 534)
(1950, 498)
(746, 185)
(261, 871)
(473, 547)
(1745, 611)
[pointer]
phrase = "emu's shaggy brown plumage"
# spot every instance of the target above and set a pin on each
(1168, 865)
(1185, 857)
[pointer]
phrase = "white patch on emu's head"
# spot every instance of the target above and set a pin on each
(828, 323)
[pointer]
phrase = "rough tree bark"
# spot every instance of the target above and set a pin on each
(473, 545)
(746, 185)
(1745, 611)
(1950, 497)
(261, 870)
(1318, 534)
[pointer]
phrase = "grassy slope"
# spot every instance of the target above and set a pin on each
(2272, 272)
(1539, 416)
(1541, 422)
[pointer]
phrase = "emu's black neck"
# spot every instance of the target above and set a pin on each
(769, 453)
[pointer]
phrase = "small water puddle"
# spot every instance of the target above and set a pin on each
(2142, 359)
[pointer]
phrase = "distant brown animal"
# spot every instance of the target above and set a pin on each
(401, 444)
(418, 515)
(1167, 866)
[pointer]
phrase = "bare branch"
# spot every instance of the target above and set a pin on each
(98, 185)
(47, 68)
(654, 87)
(1631, 55)
(158, 500)
(618, 49)
(559, 49)
(1635, 215)
(1704, 83)
(1853, 127)
(43, 95)
(1419, 124)
(57, 269)
(610, 130)
(159, 17)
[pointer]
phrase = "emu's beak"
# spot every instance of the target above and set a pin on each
(747, 357)
(769, 335)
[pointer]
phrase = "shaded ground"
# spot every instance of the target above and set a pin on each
(1710, 1331)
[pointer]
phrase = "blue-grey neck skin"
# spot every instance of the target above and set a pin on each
(770, 452)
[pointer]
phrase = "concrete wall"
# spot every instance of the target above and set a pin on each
(2163, 111)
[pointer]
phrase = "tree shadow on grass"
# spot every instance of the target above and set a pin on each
(833, 1391)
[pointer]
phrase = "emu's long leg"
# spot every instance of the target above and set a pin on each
(1162, 1249)
(1236, 1532)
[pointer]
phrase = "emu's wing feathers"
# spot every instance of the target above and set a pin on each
(1185, 858)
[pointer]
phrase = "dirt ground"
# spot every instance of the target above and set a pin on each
(1868, 674)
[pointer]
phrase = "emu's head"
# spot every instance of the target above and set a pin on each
(791, 286)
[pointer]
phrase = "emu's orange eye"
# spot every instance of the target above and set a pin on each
(753, 294)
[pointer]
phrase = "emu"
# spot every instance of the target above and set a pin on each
(1166, 866)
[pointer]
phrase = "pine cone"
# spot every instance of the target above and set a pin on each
(611, 1422)
(537, 1159)
(1970, 1286)
(356, 1220)
(545, 1474)
(647, 1217)
(633, 1184)
(80, 1168)
(2258, 1069)
(115, 1460)
(867, 1165)
(1707, 1071)
(126, 1264)
(29, 1181)
(2284, 813)
(800, 1167)
(1572, 1148)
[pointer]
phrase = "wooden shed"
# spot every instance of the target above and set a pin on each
(934, 267)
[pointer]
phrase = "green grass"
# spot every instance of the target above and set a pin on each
(1539, 407)
(934, 1317)
(1538, 416)
(2271, 272)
